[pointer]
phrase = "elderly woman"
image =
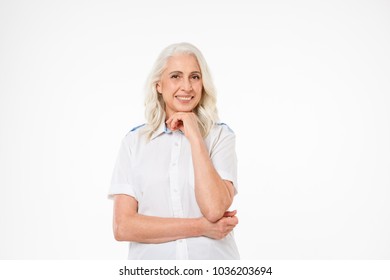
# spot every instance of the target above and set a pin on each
(175, 176)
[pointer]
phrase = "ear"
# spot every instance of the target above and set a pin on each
(158, 87)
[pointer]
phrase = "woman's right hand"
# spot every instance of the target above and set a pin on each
(222, 227)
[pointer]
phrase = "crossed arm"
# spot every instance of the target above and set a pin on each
(213, 195)
(131, 226)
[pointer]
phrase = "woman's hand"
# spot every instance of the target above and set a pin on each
(222, 227)
(187, 122)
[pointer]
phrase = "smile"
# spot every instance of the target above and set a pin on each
(184, 98)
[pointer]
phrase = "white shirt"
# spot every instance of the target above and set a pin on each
(159, 174)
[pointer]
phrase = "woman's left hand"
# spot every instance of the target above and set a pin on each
(187, 122)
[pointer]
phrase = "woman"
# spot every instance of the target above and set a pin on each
(175, 177)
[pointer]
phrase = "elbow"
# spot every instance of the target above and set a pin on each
(213, 215)
(122, 232)
(118, 233)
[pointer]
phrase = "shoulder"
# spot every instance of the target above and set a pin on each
(134, 134)
(221, 135)
(224, 126)
(220, 131)
(136, 129)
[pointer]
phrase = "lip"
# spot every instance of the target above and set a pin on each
(184, 98)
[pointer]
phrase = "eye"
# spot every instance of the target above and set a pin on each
(196, 77)
(175, 76)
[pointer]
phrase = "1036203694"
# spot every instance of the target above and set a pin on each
(242, 270)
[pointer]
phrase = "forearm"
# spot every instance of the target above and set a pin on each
(212, 194)
(148, 229)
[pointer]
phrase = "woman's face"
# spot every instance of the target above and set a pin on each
(181, 84)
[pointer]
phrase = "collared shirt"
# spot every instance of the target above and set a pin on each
(159, 174)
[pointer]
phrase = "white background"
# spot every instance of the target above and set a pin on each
(304, 84)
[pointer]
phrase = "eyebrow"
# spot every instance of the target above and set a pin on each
(179, 72)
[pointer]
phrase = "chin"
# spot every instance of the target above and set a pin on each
(185, 108)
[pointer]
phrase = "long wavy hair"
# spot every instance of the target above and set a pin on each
(206, 110)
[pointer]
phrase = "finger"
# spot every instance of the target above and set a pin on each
(176, 121)
(169, 123)
(178, 125)
(171, 119)
(172, 123)
(230, 213)
(228, 231)
(177, 115)
(232, 221)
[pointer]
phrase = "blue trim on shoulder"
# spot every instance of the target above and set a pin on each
(221, 123)
(135, 128)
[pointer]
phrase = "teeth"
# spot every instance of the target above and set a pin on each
(184, 98)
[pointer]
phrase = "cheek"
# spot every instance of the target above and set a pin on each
(198, 87)
(170, 86)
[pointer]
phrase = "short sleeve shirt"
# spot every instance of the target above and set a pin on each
(159, 174)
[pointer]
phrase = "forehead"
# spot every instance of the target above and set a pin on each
(183, 63)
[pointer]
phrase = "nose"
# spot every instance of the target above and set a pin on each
(186, 85)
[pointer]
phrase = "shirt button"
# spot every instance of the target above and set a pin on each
(174, 164)
(176, 144)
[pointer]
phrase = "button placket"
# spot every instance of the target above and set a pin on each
(174, 177)
(181, 244)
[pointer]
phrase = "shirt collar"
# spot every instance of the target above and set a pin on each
(163, 129)
(160, 130)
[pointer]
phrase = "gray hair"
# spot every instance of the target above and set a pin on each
(206, 110)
